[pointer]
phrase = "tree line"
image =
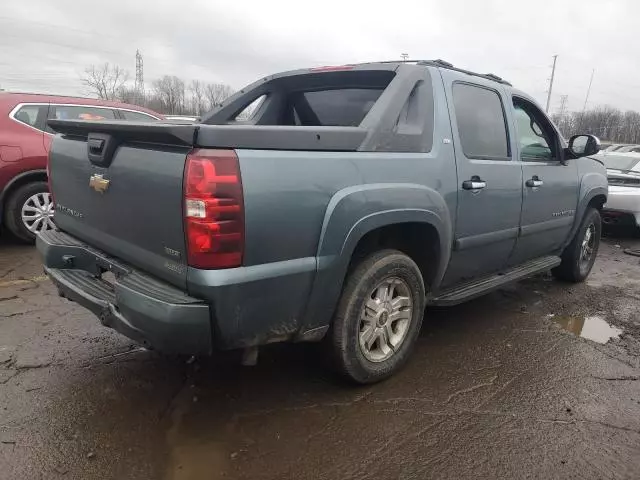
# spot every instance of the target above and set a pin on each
(169, 95)
(607, 123)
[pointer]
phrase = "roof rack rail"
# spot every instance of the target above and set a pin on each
(495, 77)
(449, 66)
(442, 64)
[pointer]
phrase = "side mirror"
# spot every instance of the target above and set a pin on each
(584, 145)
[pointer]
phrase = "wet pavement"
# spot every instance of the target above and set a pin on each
(512, 385)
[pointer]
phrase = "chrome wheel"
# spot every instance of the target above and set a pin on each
(588, 244)
(37, 212)
(385, 319)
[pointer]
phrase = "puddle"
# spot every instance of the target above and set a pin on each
(592, 328)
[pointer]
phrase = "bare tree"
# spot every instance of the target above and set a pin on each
(105, 81)
(605, 122)
(170, 91)
(197, 101)
(128, 94)
(216, 93)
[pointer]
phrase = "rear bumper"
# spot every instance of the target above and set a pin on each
(135, 304)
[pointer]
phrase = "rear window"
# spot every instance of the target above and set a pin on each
(345, 107)
(309, 99)
(481, 122)
(78, 112)
(28, 114)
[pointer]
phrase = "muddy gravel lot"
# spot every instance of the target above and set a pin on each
(539, 380)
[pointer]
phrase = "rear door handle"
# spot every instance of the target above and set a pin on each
(534, 182)
(476, 183)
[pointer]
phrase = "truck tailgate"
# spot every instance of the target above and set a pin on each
(130, 206)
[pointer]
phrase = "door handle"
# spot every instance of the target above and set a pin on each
(534, 182)
(476, 183)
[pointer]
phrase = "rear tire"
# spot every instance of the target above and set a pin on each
(33, 202)
(378, 317)
(578, 257)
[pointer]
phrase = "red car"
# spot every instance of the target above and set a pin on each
(25, 204)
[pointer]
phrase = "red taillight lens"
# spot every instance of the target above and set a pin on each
(213, 209)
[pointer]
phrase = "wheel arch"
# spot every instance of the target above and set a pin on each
(17, 182)
(591, 196)
(333, 269)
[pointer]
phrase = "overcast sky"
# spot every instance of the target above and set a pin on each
(46, 44)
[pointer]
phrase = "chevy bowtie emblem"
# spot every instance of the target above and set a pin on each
(98, 183)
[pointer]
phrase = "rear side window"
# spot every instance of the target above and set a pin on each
(28, 114)
(344, 107)
(481, 122)
(137, 116)
(81, 112)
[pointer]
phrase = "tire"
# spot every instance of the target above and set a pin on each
(24, 197)
(575, 267)
(358, 333)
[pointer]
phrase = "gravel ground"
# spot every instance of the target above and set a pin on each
(517, 384)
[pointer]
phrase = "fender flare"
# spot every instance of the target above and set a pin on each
(350, 215)
(585, 199)
(393, 217)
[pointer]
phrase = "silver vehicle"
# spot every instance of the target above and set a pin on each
(628, 149)
(623, 204)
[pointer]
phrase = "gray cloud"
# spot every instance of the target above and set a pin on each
(45, 45)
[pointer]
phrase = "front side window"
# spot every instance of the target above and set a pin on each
(81, 112)
(28, 114)
(481, 123)
(533, 137)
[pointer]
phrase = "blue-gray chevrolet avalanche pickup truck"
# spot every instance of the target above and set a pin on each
(330, 204)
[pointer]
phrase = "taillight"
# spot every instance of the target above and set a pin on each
(213, 209)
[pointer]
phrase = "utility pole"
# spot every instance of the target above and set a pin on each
(586, 98)
(404, 56)
(139, 87)
(553, 74)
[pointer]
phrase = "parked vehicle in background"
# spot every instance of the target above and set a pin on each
(613, 147)
(628, 149)
(347, 200)
(26, 206)
(623, 204)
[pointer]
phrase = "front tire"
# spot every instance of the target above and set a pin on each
(579, 256)
(378, 317)
(29, 210)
